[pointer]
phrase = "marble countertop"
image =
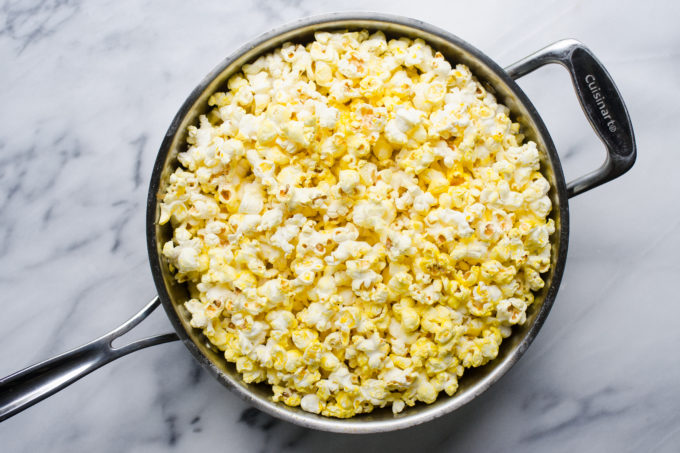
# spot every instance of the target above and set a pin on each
(87, 90)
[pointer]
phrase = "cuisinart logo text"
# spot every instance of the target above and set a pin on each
(600, 101)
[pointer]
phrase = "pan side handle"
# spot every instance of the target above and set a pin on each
(601, 103)
(25, 388)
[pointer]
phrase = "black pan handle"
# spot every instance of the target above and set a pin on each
(601, 102)
(24, 388)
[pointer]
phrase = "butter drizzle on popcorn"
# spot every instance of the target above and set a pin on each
(358, 222)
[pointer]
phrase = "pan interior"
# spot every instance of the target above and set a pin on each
(474, 381)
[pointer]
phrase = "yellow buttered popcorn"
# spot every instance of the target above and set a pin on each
(358, 221)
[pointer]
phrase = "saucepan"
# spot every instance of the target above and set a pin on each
(602, 105)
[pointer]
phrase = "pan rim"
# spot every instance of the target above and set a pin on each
(357, 425)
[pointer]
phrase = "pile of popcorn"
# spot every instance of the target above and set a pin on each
(358, 222)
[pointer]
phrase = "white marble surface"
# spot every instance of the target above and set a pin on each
(87, 90)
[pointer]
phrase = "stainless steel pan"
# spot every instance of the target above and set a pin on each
(601, 103)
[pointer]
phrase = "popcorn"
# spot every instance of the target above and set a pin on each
(311, 403)
(375, 350)
(328, 116)
(423, 202)
(348, 180)
(405, 119)
(511, 311)
(198, 315)
(270, 219)
(251, 200)
(358, 222)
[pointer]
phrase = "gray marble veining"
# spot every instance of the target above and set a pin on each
(87, 90)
